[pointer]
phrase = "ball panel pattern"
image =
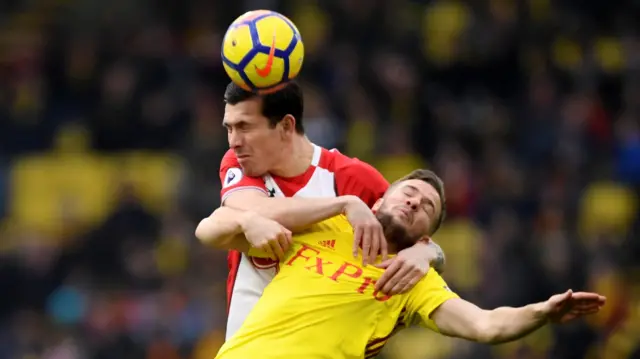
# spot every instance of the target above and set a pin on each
(295, 60)
(246, 48)
(274, 77)
(236, 76)
(272, 28)
(237, 43)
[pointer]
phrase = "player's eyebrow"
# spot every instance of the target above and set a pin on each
(240, 123)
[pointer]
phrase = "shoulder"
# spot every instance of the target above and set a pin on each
(229, 160)
(349, 167)
(432, 283)
(355, 177)
(233, 179)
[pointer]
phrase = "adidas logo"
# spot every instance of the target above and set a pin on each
(329, 243)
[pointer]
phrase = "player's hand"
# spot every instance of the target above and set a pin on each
(266, 234)
(403, 271)
(568, 306)
(368, 232)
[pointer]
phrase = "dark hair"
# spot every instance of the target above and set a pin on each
(276, 105)
(431, 178)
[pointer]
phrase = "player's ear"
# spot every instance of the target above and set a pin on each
(376, 206)
(288, 124)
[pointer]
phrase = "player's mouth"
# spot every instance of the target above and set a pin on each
(405, 213)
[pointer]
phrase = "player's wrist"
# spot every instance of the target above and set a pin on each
(540, 310)
(346, 202)
(245, 219)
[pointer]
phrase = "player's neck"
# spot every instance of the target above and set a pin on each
(298, 158)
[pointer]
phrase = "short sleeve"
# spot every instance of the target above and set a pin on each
(233, 179)
(360, 179)
(429, 294)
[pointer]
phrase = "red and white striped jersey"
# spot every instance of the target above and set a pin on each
(331, 174)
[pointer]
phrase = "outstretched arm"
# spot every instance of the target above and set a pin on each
(459, 318)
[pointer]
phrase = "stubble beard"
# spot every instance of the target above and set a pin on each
(396, 233)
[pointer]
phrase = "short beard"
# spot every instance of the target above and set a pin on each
(395, 233)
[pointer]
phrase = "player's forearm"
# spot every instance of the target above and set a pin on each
(223, 229)
(294, 213)
(506, 324)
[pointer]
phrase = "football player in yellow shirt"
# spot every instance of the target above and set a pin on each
(322, 303)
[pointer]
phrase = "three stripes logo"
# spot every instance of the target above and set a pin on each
(329, 243)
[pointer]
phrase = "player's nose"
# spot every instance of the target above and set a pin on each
(235, 140)
(413, 203)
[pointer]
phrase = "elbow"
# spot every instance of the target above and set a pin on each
(206, 234)
(486, 332)
(201, 231)
(485, 335)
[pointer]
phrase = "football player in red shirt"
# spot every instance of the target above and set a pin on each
(273, 169)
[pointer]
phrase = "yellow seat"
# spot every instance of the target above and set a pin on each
(419, 343)
(395, 166)
(84, 186)
(154, 177)
(48, 188)
(607, 207)
(461, 242)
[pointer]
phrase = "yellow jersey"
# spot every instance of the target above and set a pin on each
(323, 304)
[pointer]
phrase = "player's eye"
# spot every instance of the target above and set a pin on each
(243, 126)
(426, 208)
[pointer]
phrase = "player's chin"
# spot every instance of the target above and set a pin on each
(400, 219)
(250, 167)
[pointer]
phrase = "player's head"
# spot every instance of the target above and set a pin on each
(413, 208)
(260, 126)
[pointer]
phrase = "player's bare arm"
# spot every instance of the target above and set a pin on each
(459, 318)
(295, 213)
(216, 232)
(228, 228)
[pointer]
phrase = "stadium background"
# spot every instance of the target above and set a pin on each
(110, 141)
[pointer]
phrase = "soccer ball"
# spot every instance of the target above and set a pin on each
(262, 51)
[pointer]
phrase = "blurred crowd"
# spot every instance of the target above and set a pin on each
(111, 137)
